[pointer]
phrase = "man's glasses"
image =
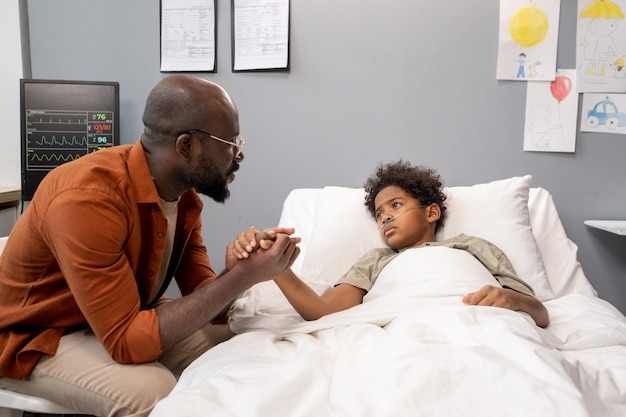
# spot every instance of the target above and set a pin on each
(237, 143)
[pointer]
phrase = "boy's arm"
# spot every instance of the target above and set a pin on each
(312, 306)
(490, 295)
(307, 302)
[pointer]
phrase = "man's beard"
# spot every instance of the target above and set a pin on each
(210, 182)
(216, 188)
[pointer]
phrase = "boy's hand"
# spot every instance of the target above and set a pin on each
(510, 299)
(490, 295)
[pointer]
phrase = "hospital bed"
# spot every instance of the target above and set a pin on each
(412, 347)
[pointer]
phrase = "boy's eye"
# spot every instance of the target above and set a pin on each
(378, 215)
(396, 205)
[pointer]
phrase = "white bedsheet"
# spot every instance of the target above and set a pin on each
(413, 348)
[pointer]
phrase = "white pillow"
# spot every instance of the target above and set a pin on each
(559, 253)
(496, 211)
(298, 211)
(343, 231)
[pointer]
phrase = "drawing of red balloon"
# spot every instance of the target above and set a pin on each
(560, 87)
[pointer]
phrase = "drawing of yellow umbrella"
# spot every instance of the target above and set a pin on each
(605, 9)
(598, 41)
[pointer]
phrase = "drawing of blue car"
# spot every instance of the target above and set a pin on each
(605, 113)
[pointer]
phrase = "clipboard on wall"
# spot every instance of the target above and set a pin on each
(260, 35)
(188, 35)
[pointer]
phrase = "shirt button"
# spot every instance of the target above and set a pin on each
(150, 273)
(160, 234)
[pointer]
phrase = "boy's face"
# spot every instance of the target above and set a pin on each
(412, 224)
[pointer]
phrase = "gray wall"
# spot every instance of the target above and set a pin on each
(370, 81)
(11, 70)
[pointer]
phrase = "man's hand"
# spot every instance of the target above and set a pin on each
(179, 318)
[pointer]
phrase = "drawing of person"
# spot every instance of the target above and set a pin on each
(521, 63)
(540, 126)
(598, 42)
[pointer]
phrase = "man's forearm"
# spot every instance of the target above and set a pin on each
(181, 317)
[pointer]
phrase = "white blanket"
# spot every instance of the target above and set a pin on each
(413, 348)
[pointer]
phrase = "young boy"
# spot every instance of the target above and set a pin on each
(407, 203)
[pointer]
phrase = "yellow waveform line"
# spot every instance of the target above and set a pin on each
(57, 158)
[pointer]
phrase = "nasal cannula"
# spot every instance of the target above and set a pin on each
(389, 220)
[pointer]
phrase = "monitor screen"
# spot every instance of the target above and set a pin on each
(62, 121)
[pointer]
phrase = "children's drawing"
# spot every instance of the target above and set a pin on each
(528, 39)
(604, 113)
(551, 109)
(601, 46)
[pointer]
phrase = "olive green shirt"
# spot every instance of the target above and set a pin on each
(364, 273)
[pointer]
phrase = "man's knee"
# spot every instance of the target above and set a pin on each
(117, 390)
(178, 357)
(142, 395)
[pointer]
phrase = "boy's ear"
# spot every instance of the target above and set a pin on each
(433, 212)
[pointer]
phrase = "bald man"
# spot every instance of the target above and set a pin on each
(82, 317)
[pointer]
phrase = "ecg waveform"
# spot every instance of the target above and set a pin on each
(64, 141)
(56, 123)
(54, 137)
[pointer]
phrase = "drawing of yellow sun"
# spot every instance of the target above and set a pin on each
(529, 26)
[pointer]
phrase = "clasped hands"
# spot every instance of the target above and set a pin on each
(272, 250)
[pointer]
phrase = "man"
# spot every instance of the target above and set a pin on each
(81, 277)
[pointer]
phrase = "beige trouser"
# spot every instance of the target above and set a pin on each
(83, 377)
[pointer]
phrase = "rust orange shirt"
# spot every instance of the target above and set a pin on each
(85, 254)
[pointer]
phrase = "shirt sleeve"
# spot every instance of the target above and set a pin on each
(364, 272)
(496, 261)
(194, 269)
(93, 261)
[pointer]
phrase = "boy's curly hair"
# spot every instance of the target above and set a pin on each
(420, 182)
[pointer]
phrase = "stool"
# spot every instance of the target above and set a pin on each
(13, 404)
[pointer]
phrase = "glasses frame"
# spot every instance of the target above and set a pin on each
(237, 144)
